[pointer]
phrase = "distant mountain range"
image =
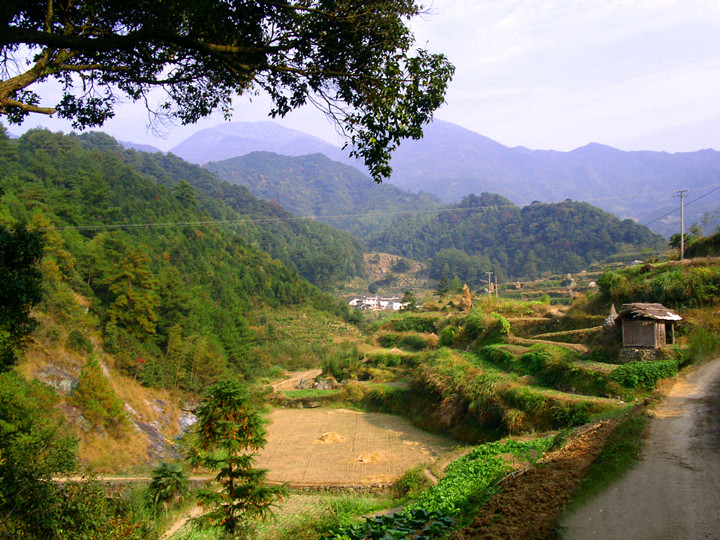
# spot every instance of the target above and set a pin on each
(451, 162)
(150, 149)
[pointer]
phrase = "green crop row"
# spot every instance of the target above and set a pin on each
(418, 524)
(467, 478)
(644, 374)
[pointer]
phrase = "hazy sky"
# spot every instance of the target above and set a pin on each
(551, 74)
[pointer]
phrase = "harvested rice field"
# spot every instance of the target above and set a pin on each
(321, 447)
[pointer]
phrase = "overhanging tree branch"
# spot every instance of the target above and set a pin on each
(357, 56)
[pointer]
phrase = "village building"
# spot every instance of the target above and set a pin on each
(377, 303)
(647, 326)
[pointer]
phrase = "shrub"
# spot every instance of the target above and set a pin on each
(702, 344)
(412, 482)
(389, 359)
(526, 399)
(342, 364)
(448, 335)
(412, 342)
(486, 329)
(97, 400)
(414, 323)
(535, 360)
(388, 339)
(354, 391)
(275, 372)
(473, 324)
(565, 415)
(77, 341)
(644, 374)
(169, 483)
(500, 357)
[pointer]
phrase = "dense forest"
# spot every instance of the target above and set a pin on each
(314, 185)
(489, 233)
(319, 253)
(163, 266)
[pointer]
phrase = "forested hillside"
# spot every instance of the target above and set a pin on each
(489, 233)
(145, 254)
(319, 253)
(314, 185)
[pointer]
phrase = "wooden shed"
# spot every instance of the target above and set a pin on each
(648, 326)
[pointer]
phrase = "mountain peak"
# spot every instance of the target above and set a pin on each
(233, 139)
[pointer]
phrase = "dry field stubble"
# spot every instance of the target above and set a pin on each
(313, 447)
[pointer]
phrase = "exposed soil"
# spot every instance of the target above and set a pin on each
(291, 383)
(674, 490)
(530, 500)
(340, 447)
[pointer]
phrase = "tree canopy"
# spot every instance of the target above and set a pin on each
(20, 288)
(355, 60)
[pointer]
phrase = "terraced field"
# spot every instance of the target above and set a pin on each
(338, 447)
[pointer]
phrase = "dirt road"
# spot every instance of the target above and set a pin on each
(674, 490)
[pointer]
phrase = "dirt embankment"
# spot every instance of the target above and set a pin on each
(529, 503)
(291, 383)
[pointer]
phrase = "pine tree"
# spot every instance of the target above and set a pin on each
(229, 433)
(133, 286)
(94, 395)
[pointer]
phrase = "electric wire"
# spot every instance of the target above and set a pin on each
(292, 218)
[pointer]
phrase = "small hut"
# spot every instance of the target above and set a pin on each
(648, 326)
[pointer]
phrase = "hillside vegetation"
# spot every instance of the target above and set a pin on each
(488, 233)
(314, 185)
(159, 275)
(319, 253)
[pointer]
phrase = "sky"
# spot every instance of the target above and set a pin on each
(544, 74)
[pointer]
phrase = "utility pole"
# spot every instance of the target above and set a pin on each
(681, 193)
(490, 283)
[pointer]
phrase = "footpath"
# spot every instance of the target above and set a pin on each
(673, 492)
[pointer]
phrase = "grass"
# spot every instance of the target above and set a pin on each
(617, 456)
(308, 516)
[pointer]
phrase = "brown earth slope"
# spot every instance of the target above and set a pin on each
(529, 504)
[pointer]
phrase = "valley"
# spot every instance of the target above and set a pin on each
(381, 325)
(160, 281)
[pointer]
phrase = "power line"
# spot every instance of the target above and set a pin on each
(242, 221)
(686, 204)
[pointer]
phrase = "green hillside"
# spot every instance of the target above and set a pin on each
(488, 233)
(319, 253)
(314, 185)
(143, 254)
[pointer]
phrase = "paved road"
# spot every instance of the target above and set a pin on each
(674, 490)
